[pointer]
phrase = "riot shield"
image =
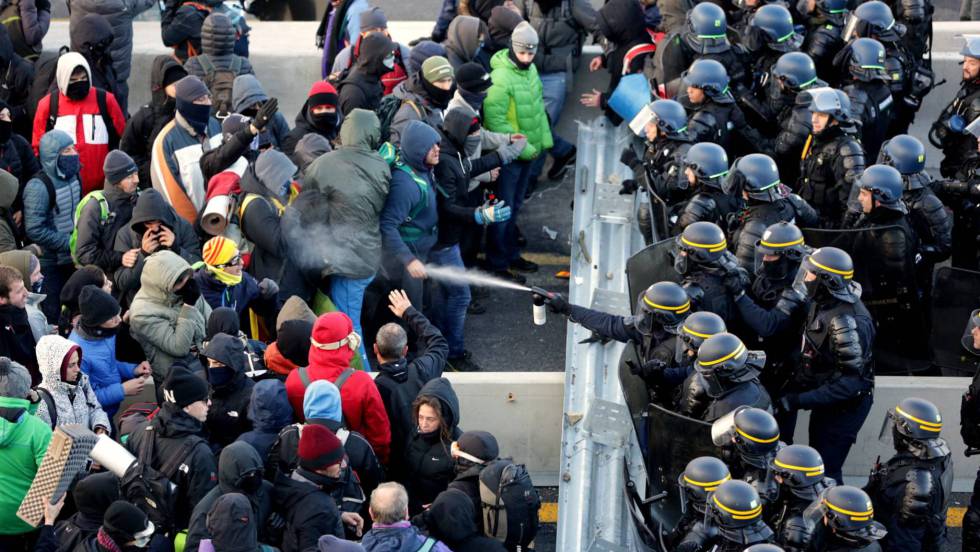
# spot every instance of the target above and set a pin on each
(955, 294)
(889, 291)
(652, 264)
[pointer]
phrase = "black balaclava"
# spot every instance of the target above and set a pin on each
(222, 320)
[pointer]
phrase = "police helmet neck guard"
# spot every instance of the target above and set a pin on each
(710, 76)
(917, 424)
(702, 244)
(735, 504)
(757, 176)
(905, 153)
(849, 513)
(785, 241)
(866, 60)
(663, 305)
(707, 29)
(796, 71)
(701, 477)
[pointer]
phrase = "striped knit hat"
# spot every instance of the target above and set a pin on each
(218, 251)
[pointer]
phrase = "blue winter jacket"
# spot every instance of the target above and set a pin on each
(105, 372)
(270, 411)
(405, 194)
(51, 228)
(399, 537)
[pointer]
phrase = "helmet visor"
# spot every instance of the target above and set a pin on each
(972, 328)
(640, 120)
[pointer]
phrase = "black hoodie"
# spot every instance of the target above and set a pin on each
(621, 23)
(362, 88)
(450, 520)
(228, 415)
(143, 127)
(310, 513)
(151, 206)
(16, 77)
(428, 464)
(92, 37)
(92, 496)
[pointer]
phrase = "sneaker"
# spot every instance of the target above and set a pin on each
(524, 265)
(475, 307)
(463, 363)
(510, 276)
(561, 164)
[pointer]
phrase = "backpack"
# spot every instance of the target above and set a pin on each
(392, 156)
(136, 415)
(154, 491)
(220, 82)
(104, 216)
(102, 100)
(49, 402)
(10, 18)
(510, 504)
(390, 105)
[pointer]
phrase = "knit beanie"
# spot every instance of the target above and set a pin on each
(173, 74)
(421, 52)
(123, 522)
(501, 25)
(373, 18)
(97, 306)
(322, 93)
(15, 380)
(293, 341)
(472, 77)
(524, 39)
(219, 250)
(319, 448)
(478, 447)
(191, 88)
(436, 68)
(183, 387)
(94, 493)
(117, 166)
(233, 124)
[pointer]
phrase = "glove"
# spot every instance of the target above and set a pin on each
(265, 113)
(557, 303)
(651, 370)
(491, 213)
(511, 151)
(734, 283)
(629, 157)
(268, 288)
(787, 403)
(190, 293)
(628, 187)
(851, 217)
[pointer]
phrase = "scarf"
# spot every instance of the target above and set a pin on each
(225, 277)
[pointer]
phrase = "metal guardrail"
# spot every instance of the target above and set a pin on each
(597, 432)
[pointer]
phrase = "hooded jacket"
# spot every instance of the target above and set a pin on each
(389, 80)
(17, 340)
(151, 206)
(463, 40)
(514, 105)
(260, 223)
(415, 107)
(76, 402)
(354, 178)
(88, 35)
(143, 128)
(304, 125)
(561, 33)
(362, 88)
(232, 525)
(246, 92)
(181, 29)
(16, 78)
(23, 444)
(309, 512)
(97, 234)
(92, 495)
(293, 328)
(228, 415)
(105, 372)
(22, 261)
(406, 235)
(398, 537)
(218, 36)
(51, 228)
(81, 120)
(450, 519)
(236, 460)
(428, 466)
(167, 329)
(10, 238)
(363, 410)
(269, 411)
(34, 22)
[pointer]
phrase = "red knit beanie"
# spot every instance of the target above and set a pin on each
(322, 93)
(319, 448)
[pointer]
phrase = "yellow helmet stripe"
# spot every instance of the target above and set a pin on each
(924, 425)
(787, 244)
(707, 486)
(679, 310)
(712, 247)
(696, 334)
(756, 439)
(855, 516)
(738, 514)
(810, 471)
(731, 355)
(848, 274)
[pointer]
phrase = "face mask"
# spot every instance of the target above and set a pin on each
(98, 331)
(37, 286)
(325, 122)
(438, 96)
(69, 166)
(78, 90)
(520, 64)
(284, 188)
(196, 115)
(471, 145)
(220, 376)
(250, 482)
(389, 62)
(474, 99)
(6, 128)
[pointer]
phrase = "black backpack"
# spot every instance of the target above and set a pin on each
(390, 105)
(510, 504)
(220, 82)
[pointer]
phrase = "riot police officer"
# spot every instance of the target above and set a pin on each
(699, 479)
(867, 86)
(769, 34)
(664, 124)
(846, 521)
(767, 202)
(726, 376)
(911, 491)
(708, 270)
(835, 379)
(798, 470)
(824, 29)
(713, 114)
(833, 158)
(962, 195)
(916, 17)
(748, 441)
(706, 167)
(948, 132)
(664, 377)
(793, 74)
(733, 521)
(970, 431)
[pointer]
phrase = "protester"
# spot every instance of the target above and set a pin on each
(269, 411)
(223, 282)
(424, 96)
(450, 519)
(67, 395)
(124, 527)
(472, 452)
(231, 390)
(30, 270)
(247, 97)
(291, 349)
(232, 525)
(92, 37)
(16, 338)
(16, 155)
(181, 28)
(427, 467)
(102, 214)
(71, 312)
(319, 115)
(29, 26)
(373, 21)
(92, 495)
(308, 149)
(217, 60)
(392, 530)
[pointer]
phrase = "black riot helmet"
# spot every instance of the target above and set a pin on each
(795, 70)
(916, 425)
(701, 477)
(831, 101)
(801, 469)
(734, 504)
(697, 327)
(885, 184)
(849, 514)
(756, 174)
(753, 432)
(723, 362)
(763, 547)
(708, 75)
(709, 163)
(664, 304)
(904, 152)
(771, 26)
(671, 118)
(701, 243)
(785, 241)
(873, 19)
(866, 60)
(833, 11)
(707, 29)
(834, 271)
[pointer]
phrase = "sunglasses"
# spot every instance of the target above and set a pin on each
(235, 261)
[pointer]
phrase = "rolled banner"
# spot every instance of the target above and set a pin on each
(112, 456)
(216, 214)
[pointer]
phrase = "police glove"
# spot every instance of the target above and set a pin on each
(851, 217)
(265, 114)
(268, 288)
(628, 187)
(651, 370)
(491, 213)
(629, 158)
(557, 303)
(787, 403)
(734, 283)
(190, 293)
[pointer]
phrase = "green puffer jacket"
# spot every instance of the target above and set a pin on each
(22, 447)
(165, 327)
(514, 104)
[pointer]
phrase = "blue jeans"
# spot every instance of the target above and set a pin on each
(553, 91)
(449, 301)
(502, 246)
(348, 295)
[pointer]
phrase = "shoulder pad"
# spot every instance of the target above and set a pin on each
(694, 291)
(851, 148)
(822, 41)
(701, 207)
(790, 301)
(842, 322)
(702, 123)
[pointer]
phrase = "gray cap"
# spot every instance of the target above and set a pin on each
(524, 38)
(117, 166)
(15, 380)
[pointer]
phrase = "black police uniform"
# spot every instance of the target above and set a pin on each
(803, 481)
(848, 522)
(707, 280)
(962, 195)
(712, 203)
(725, 377)
(748, 441)
(759, 215)
(824, 30)
(768, 35)
(701, 476)
(733, 522)
(867, 84)
(958, 147)
(830, 166)
(970, 431)
(793, 74)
